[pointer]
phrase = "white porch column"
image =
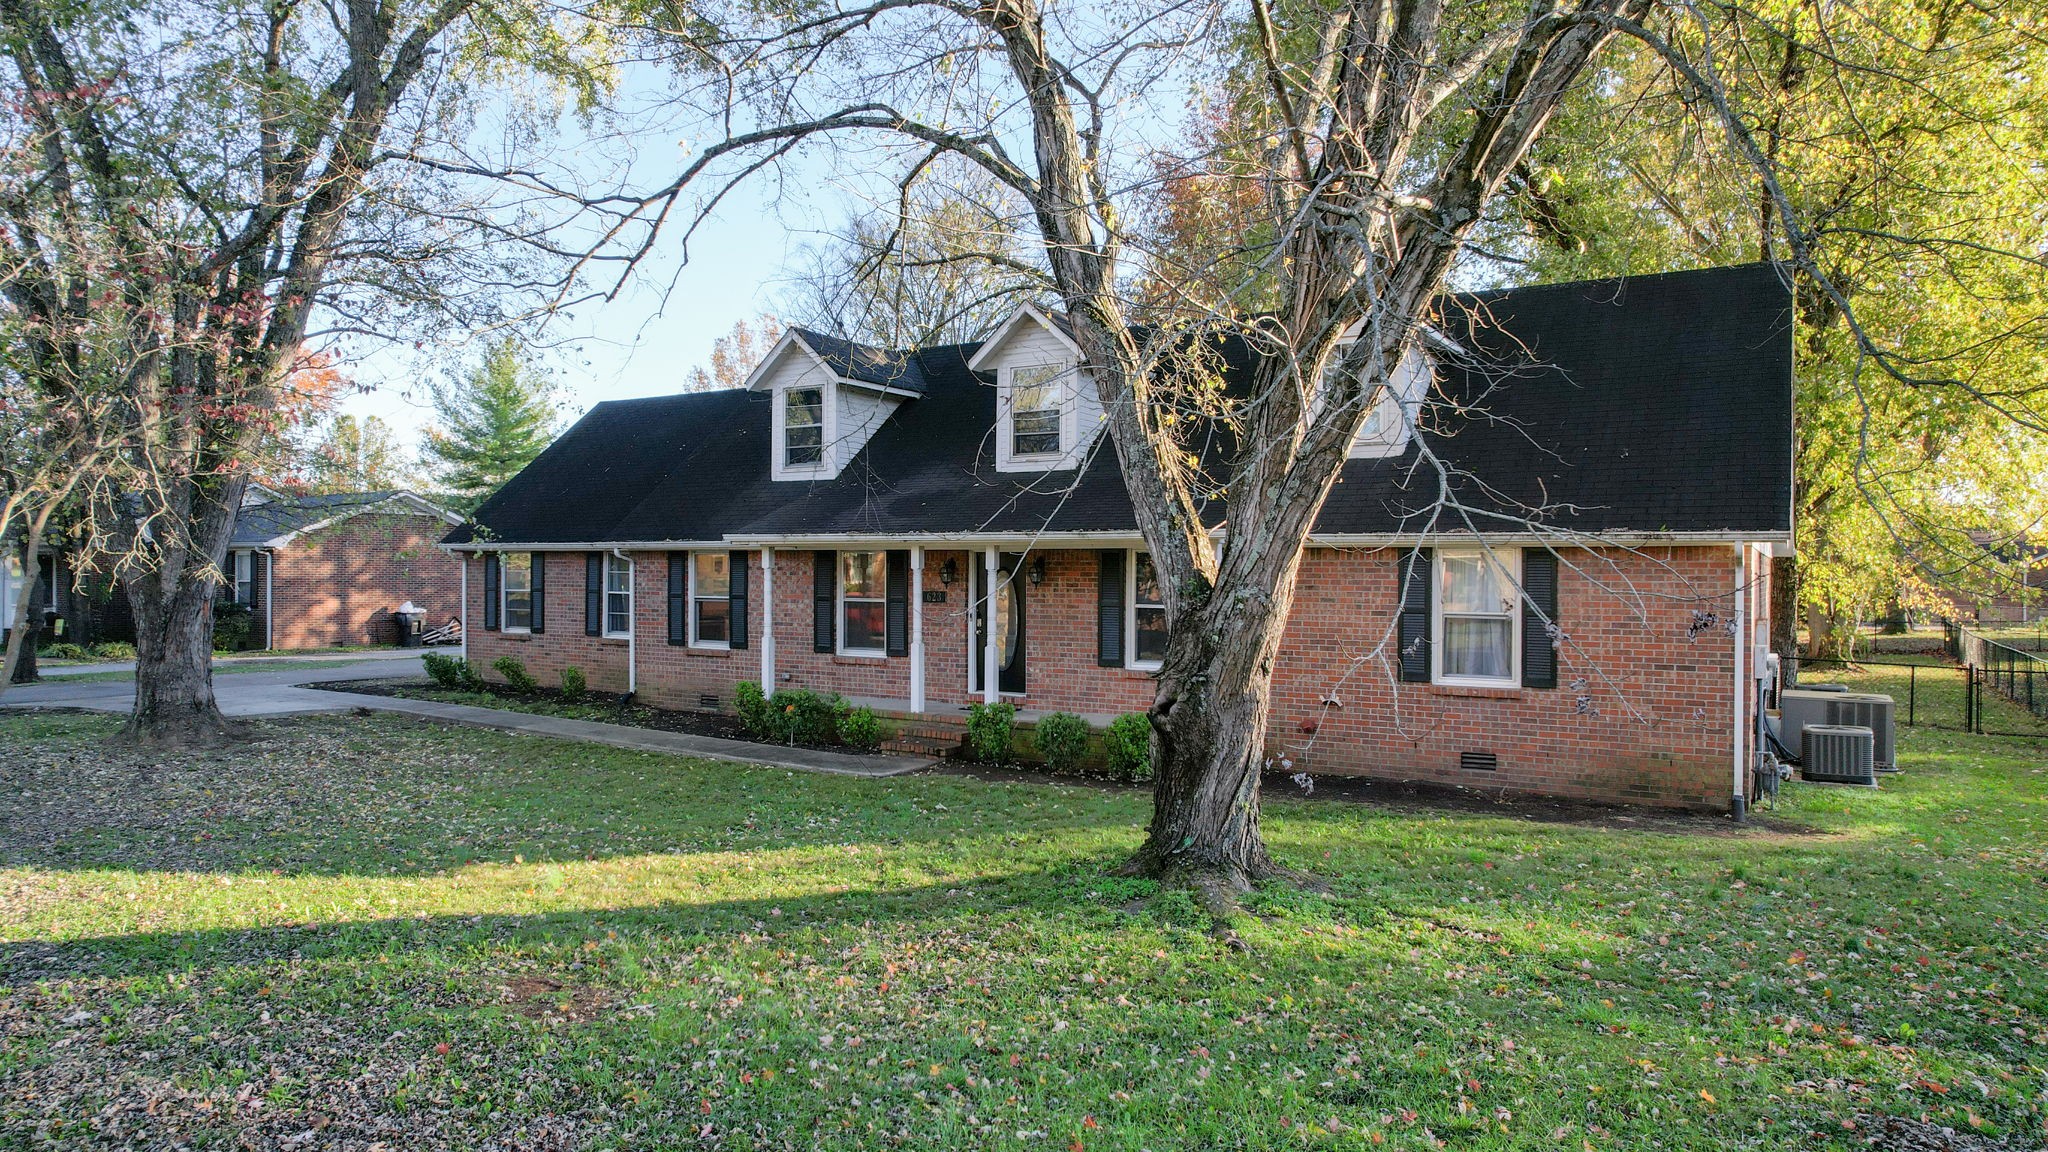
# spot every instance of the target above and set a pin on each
(768, 621)
(917, 629)
(992, 569)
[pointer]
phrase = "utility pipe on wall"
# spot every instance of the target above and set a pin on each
(462, 607)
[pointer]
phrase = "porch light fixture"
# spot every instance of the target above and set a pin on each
(949, 572)
(1038, 570)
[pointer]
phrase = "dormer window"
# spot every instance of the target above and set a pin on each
(1036, 407)
(803, 427)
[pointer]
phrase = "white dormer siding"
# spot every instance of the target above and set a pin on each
(1029, 356)
(851, 412)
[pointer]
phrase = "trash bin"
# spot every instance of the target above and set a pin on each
(409, 617)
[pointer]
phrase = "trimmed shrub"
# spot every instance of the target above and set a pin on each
(113, 650)
(1062, 738)
(752, 705)
(470, 677)
(446, 671)
(232, 625)
(801, 716)
(990, 729)
(1128, 746)
(574, 685)
(64, 650)
(516, 676)
(861, 728)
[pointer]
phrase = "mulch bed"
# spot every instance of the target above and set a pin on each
(601, 707)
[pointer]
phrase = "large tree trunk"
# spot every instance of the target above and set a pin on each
(1785, 606)
(174, 705)
(1209, 726)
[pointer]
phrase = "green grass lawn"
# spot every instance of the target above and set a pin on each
(221, 667)
(376, 931)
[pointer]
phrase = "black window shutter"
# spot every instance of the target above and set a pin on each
(1418, 590)
(1539, 612)
(824, 590)
(679, 597)
(593, 594)
(491, 592)
(537, 563)
(896, 604)
(1109, 609)
(736, 609)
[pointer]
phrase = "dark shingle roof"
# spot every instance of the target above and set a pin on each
(258, 523)
(1653, 404)
(882, 367)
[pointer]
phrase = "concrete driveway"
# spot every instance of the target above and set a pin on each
(239, 693)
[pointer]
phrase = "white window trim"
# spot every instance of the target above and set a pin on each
(724, 645)
(1509, 562)
(505, 595)
(839, 603)
(1131, 660)
(1062, 383)
(1068, 381)
(828, 403)
(627, 632)
(245, 572)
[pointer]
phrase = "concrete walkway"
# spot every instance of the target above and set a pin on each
(254, 694)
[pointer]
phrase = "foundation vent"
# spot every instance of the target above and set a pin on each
(708, 702)
(1478, 761)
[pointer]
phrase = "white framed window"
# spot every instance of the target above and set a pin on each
(1037, 410)
(1145, 623)
(618, 595)
(803, 427)
(710, 600)
(863, 610)
(1478, 619)
(515, 588)
(245, 578)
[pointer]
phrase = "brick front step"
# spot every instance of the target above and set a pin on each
(922, 745)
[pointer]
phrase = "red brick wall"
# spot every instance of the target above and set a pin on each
(1641, 712)
(337, 586)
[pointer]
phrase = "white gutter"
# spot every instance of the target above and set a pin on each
(632, 621)
(1740, 793)
(585, 546)
(1012, 541)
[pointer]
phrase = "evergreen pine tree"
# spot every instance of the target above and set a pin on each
(490, 424)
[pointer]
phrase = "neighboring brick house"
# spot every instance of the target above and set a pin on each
(327, 571)
(838, 523)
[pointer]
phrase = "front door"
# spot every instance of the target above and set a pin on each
(1008, 605)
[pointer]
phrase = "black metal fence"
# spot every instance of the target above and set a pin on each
(1961, 697)
(2006, 668)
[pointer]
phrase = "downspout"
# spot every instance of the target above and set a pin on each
(632, 625)
(269, 601)
(462, 607)
(1739, 804)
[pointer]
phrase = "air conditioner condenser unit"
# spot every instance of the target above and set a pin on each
(1800, 709)
(1838, 754)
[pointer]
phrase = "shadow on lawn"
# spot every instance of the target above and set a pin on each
(383, 796)
(1078, 886)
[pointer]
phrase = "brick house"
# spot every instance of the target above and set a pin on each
(326, 571)
(1585, 618)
